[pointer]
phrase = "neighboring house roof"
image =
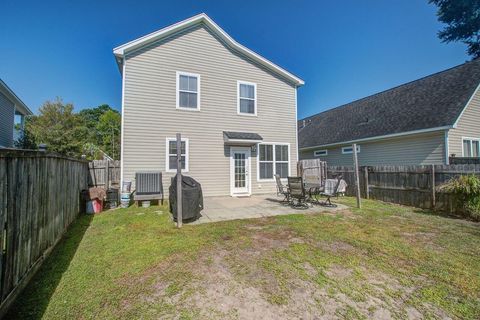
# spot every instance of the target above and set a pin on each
(431, 103)
(120, 51)
(20, 107)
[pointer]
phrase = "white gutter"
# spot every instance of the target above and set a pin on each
(393, 135)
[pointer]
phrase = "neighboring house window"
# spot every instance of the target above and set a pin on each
(471, 147)
(347, 150)
(273, 159)
(171, 161)
(188, 91)
(319, 153)
(247, 98)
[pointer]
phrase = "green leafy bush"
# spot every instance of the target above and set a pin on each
(467, 191)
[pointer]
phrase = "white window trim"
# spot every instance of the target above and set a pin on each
(167, 155)
(471, 144)
(317, 153)
(274, 160)
(350, 152)
(181, 73)
(238, 98)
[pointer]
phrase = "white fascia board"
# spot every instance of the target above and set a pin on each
(19, 105)
(393, 135)
(120, 51)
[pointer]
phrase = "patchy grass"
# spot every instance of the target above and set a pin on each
(381, 261)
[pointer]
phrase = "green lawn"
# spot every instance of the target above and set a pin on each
(381, 261)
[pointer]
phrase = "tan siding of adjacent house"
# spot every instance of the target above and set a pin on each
(150, 114)
(418, 149)
(468, 126)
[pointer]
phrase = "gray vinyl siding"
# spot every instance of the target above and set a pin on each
(468, 126)
(150, 114)
(418, 149)
(7, 118)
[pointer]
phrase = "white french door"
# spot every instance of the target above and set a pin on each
(240, 171)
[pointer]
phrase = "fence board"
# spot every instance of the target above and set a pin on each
(39, 199)
(104, 173)
(407, 185)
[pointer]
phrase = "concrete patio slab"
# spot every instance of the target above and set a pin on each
(258, 206)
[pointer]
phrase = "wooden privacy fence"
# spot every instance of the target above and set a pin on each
(312, 170)
(39, 198)
(104, 173)
(408, 185)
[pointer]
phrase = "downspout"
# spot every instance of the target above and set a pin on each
(124, 62)
(447, 152)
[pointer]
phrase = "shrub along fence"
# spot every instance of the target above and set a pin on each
(408, 185)
(40, 196)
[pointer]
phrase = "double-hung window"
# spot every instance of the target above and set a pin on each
(188, 91)
(471, 147)
(171, 159)
(247, 98)
(273, 159)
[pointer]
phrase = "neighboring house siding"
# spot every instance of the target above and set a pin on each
(468, 126)
(416, 149)
(150, 114)
(7, 119)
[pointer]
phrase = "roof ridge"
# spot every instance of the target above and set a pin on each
(390, 89)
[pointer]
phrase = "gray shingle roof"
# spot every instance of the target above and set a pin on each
(430, 102)
(242, 135)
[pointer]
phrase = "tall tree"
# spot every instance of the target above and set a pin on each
(57, 126)
(463, 22)
(108, 129)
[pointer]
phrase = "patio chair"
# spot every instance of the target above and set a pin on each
(297, 192)
(331, 190)
(282, 190)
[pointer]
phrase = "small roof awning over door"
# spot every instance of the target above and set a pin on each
(241, 138)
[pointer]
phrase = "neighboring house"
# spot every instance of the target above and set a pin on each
(236, 111)
(12, 113)
(417, 123)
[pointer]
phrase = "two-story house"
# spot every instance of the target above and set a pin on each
(236, 111)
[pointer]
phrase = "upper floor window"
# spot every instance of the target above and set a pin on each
(347, 150)
(247, 98)
(471, 147)
(188, 91)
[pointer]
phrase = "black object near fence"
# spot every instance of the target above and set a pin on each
(408, 185)
(192, 198)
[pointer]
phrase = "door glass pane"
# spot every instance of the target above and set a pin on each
(240, 177)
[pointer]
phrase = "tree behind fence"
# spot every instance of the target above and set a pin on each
(40, 195)
(407, 185)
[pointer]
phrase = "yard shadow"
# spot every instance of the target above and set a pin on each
(34, 299)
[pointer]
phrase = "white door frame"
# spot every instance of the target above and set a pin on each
(248, 166)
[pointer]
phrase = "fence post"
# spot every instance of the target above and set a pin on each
(432, 174)
(107, 175)
(367, 191)
(179, 181)
(357, 178)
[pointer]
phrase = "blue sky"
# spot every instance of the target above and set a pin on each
(344, 50)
